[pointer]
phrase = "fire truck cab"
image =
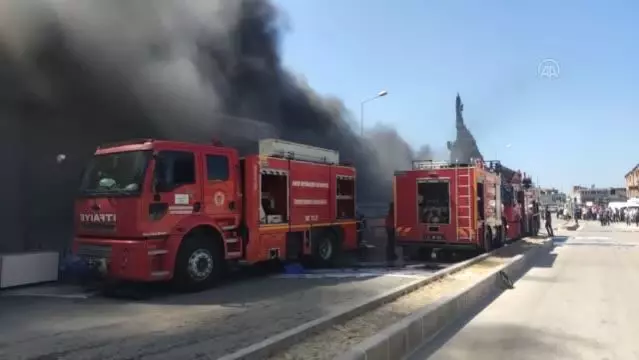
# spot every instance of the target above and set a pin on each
(449, 206)
(154, 210)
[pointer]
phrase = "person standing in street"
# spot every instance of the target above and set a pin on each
(361, 227)
(390, 233)
(548, 217)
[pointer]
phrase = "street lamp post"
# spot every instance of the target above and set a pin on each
(361, 108)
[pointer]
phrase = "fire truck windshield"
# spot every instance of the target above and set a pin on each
(115, 174)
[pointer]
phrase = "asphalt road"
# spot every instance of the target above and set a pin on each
(579, 302)
(61, 323)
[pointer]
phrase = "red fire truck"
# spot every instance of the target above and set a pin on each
(449, 206)
(521, 210)
(154, 210)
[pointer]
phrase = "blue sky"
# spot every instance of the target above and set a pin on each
(579, 128)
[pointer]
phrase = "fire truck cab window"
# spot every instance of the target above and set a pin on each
(217, 167)
(175, 168)
(433, 201)
(345, 197)
(274, 204)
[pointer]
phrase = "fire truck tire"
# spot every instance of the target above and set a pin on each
(500, 239)
(326, 249)
(199, 264)
(444, 255)
(487, 246)
(423, 254)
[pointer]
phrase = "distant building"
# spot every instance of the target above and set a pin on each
(551, 196)
(632, 182)
(596, 195)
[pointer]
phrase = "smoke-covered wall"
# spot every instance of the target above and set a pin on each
(74, 74)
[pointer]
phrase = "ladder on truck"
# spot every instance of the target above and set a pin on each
(463, 197)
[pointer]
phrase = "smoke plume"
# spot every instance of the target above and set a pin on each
(401, 155)
(74, 74)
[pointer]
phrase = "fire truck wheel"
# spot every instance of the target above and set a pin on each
(424, 254)
(326, 249)
(444, 255)
(500, 238)
(488, 240)
(199, 264)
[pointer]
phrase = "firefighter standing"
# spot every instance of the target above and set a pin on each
(548, 217)
(361, 227)
(390, 233)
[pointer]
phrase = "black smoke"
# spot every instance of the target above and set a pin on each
(74, 74)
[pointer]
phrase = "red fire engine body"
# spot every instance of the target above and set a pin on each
(154, 210)
(457, 207)
(448, 206)
(520, 209)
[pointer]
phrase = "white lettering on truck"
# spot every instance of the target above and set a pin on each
(98, 218)
(309, 184)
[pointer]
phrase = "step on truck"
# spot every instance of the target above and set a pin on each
(155, 210)
(448, 206)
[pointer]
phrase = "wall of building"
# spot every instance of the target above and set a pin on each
(548, 196)
(632, 182)
(598, 195)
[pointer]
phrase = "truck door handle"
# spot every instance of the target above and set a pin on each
(232, 205)
(197, 207)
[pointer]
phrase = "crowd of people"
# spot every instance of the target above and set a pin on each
(607, 215)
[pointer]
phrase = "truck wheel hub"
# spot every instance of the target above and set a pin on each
(200, 264)
(326, 249)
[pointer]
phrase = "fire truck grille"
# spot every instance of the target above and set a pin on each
(97, 251)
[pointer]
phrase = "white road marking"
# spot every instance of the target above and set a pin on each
(592, 238)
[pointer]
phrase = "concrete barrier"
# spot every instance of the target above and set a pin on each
(404, 337)
(288, 338)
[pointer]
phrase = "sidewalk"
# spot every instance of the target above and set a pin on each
(575, 303)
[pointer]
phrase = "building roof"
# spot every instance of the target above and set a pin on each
(632, 170)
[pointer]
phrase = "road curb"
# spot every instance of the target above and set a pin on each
(283, 340)
(404, 337)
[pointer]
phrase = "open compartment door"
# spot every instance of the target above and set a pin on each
(405, 203)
